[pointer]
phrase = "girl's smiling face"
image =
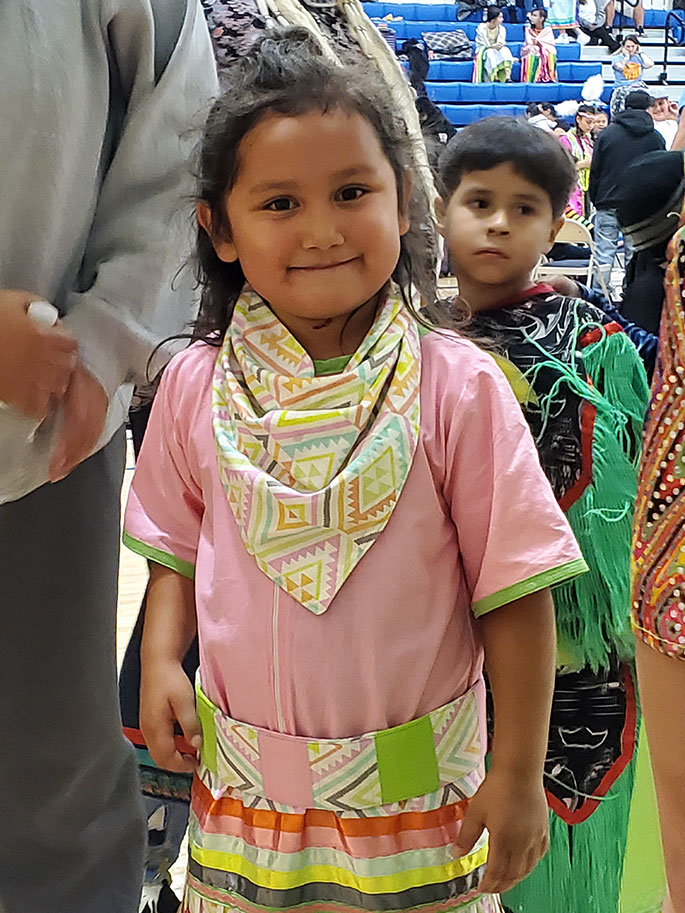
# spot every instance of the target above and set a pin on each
(315, 218)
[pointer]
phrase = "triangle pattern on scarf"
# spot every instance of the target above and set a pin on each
(312, 465)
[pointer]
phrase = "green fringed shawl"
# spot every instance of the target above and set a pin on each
(583, 869)
(581, 370)
(593, 610)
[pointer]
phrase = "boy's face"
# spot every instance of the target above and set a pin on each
(536, 19)
(497, 224)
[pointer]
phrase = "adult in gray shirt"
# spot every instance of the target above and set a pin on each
(97, 103)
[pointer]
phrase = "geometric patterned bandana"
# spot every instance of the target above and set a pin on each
(313, 466)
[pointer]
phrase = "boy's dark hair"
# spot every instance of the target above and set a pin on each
(492, 13)
(286, 73)
(542, 11)
(534, 154)
(548, 106)
(532, 110)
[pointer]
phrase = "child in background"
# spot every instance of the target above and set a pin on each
(583, 391)
(334, 502)
(539, 52)
(579, 144)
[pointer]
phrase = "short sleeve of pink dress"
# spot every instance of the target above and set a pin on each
(513, 537)
(165, 506)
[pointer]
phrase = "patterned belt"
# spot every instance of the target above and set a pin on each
(438, 753)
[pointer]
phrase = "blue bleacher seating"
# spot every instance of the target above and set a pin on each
(462, 71)
(447, 12)
(654, 19)
(415, 28)
(404, 30)
(449, 81)
(512, 92)
(460, 115)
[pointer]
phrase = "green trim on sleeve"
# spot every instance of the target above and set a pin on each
(184, 568)
(541, 581)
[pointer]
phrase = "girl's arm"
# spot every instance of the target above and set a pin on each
(520, 657)
(647, 62)
(166, 694)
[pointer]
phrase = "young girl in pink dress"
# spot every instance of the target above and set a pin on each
(349, 509)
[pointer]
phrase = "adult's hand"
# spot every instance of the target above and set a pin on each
(84, 411)
(36, 361)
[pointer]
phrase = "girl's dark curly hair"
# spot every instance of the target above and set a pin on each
(286, 73)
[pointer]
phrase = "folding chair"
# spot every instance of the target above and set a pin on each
(573, 232)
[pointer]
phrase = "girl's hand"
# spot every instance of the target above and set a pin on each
(167, 697)
(514, 810)
(36, 361)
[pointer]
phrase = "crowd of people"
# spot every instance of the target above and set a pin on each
(494, 60)
(602, 149)
(353, 495)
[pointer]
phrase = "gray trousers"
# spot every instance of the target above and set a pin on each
(72, 833)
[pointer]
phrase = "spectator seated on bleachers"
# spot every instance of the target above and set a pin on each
(562, 16)
(592, 18)
(470, 8)
(539, 51)
(629, 66)
(494, 60)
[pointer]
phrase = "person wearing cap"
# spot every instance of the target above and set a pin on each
(630, 135)
(98, 104)
(664, 115)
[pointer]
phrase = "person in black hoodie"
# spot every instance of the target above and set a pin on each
(630, 135)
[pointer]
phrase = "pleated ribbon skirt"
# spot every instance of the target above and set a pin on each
(363, 824)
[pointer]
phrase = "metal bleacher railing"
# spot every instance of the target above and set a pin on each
(674, 36)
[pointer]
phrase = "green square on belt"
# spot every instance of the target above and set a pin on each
(407, 765)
